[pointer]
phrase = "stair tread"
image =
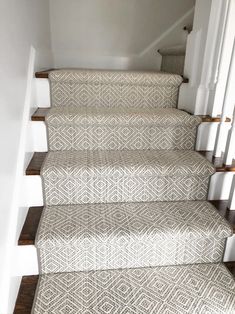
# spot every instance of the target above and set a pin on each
(129, 235)
(115, 76)
(121, 116)
(178, 50)
(29, 230)
(151, 222)
(125, 162)
(41, 113)
(144, 290)
(35, 165)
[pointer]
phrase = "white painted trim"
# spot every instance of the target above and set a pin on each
(43, 97)
(229, 99)
(220, 185)
(229, 255)
(27, 260)
(7, 270)
(224, 60)
(166, 33)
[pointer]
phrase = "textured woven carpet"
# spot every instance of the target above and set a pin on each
(192, 289)
(79, 128)
(91, 88)
(124, 190)
(74, 177)
(127, 235)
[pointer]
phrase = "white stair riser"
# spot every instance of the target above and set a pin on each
(27, 261)
(43, 97)
(205, 137)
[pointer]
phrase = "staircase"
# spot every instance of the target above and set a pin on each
(126, 226)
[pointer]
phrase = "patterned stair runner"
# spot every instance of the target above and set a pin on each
(90, 88)
(80, 128)
(124, 191)
(74, 177)
(191, 289)
(131, 235)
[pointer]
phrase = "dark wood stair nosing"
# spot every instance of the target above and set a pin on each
(40, 114)
(43, 74)
(26, 294)
(30, 227)
(35, 165)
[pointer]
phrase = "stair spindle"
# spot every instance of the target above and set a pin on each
(221, 132)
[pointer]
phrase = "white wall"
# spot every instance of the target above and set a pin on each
(114, 34)
(23, 24)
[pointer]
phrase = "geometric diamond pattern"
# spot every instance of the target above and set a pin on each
(92, 88)
(129, 235)
(79, 128)
(124, 194)
(189, 289)
(76, 177)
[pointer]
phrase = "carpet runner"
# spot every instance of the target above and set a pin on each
(191, 289)
(81, 128)
(130, 235)
(90, 88)
(74, 177)
(125, 194)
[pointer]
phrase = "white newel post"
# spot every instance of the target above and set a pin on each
(231, 201)
(227, 105)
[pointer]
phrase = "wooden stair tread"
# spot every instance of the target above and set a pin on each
(40, 114)
(34, 167)
(29, 230)
(27, 291)
(43, 74)
(218, 162)
(26, 294)
(30, 227)
(207, 118)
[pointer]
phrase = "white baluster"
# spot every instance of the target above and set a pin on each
(231, 201)
(219, 144)
(230, 146)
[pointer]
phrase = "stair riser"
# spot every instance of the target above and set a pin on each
(173, 64)
(130, 254)
(79, 137)
(205, 136)
(68, 190)
(32, 194)
(114, 89)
